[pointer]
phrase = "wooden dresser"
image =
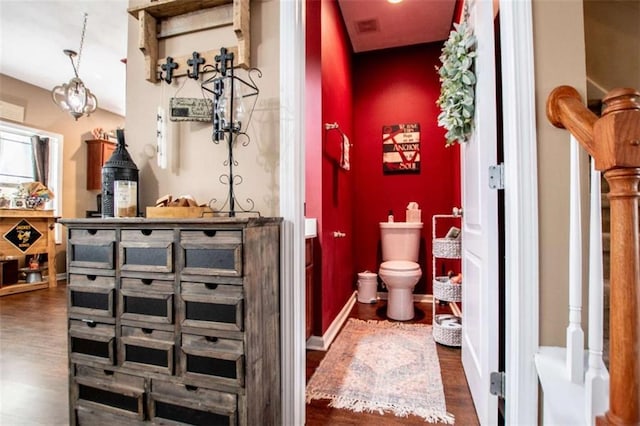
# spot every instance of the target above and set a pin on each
(174, 321)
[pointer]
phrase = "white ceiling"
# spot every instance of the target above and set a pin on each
(33, 34)
(378, 24)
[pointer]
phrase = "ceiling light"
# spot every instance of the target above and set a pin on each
(394, 1)
(74, 97)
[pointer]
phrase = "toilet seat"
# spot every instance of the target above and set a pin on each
(400, 266)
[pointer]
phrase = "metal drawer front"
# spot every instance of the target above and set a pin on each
(212, 252)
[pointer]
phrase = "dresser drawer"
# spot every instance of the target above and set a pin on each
(211, 357)
(147, 349)
(144, 285)
(212, 305)
(114, 392)
(91, 248)
(212, 252)
(146, 250)
(91, 295)
(191, 405)
(90, 341)
(146, 306)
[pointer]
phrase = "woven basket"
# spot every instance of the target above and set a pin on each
(448, 248)
(443, 289)
(447, 330)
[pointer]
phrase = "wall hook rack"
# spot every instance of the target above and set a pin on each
(195, 63)
(168, 68)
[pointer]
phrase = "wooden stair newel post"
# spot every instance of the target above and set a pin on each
(614, 143)
(617, 137)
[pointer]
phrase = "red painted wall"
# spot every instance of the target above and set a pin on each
(362, 93)
(329, 189)
(391, 87)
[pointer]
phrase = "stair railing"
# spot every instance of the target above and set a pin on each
(613, 141)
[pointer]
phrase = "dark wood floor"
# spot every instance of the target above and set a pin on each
(33, 366)
(457, 396)
(33, 358)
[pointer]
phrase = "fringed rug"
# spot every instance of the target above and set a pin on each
(381, 366)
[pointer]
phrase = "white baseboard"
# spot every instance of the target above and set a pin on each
(322, 343)
(61, 277)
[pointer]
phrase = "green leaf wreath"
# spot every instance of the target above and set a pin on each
(457, 80)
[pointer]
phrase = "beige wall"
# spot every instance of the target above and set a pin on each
(42, 113)
(195, 162)
(612, 36)
(559, 59)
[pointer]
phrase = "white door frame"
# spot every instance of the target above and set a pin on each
(521, 210)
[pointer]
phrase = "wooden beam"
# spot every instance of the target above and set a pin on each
(197, 21)
(161, 9)
(241, 26)
(148, 44)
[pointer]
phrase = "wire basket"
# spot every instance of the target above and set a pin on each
(444, 289)
(447, 330)
(448, 248)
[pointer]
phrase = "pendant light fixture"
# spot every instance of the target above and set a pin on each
(74, 97)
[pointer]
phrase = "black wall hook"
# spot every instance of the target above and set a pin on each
(195, 63)
(168, 67)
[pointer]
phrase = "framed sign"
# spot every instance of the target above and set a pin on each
(23, 235)
(401, 148)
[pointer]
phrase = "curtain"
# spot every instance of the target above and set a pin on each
(40, 158)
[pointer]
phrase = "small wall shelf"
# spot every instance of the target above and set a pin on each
(166, 18)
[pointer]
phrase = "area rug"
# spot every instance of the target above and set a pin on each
(382, 366)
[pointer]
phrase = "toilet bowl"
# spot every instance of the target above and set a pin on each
(399, 270)
(400, 277)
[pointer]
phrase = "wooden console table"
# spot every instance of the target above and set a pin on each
(16, 223)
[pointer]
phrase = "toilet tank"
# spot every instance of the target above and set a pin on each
(400, 240)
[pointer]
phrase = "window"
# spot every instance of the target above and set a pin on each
(16, 163)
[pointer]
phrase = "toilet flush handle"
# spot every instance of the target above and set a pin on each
(338, 234)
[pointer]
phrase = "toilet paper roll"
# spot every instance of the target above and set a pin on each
(414, 215)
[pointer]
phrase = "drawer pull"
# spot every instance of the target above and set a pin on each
(108, 372)
(210, 232)
(91, 277)
(90, 323)
(146, 281)
(191, 388)
(147, 330)
(146, 232)
(211, 286)
(92, 231)
(211, 339)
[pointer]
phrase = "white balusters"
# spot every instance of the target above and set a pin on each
(575, 335)
(597, 377)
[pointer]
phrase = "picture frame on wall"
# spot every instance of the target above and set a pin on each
(401, 148)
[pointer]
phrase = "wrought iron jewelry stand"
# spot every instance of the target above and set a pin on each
(223, 85)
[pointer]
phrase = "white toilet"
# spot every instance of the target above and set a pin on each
(399, 270)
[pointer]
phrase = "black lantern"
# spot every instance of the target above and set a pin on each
(120, 183)
(234, 100)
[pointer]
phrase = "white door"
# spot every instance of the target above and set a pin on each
(480, 226)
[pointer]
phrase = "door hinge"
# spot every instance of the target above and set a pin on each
(496, 386)
(496, 176)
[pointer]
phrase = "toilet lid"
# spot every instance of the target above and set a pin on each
(400, 266)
